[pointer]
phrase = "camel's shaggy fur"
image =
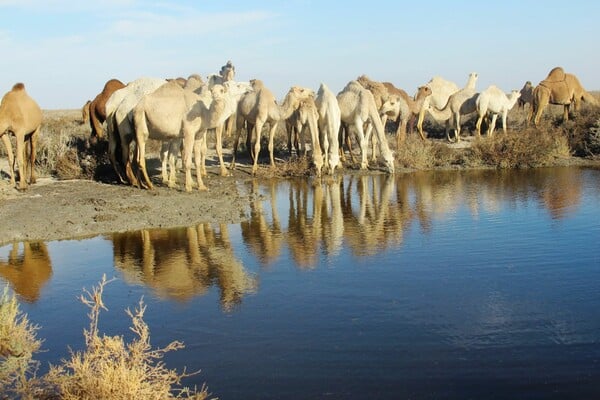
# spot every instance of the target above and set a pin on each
(98, 112)
(559, 88)
(329, 126)
(20, 116)
(357, 106)
(494, 101)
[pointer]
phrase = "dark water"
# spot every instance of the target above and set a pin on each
(465, 285)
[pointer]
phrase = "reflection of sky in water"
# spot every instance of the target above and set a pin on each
(442, 284)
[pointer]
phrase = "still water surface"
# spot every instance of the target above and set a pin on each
(479, 284)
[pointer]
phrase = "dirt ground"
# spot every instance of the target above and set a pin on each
(56, 210)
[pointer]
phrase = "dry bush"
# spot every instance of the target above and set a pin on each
(110, 368)
(18, 343)
(418, 154)
(528, 148)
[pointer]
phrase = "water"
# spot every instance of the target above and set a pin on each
(480, 284)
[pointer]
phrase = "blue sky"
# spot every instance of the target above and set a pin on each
(64, 51)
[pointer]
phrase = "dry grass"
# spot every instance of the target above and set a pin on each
(418, 154)
(108, 367)
(524, 149)
(18, 344)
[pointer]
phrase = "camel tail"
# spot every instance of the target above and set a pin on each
(18, 86)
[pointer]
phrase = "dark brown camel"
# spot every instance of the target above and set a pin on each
(98, 108)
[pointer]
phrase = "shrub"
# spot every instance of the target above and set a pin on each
(18, 343)
(528, 148)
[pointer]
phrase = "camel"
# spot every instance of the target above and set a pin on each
(559, 88)
(494, 101)
(257, 108)
(526, 97)
(402, 108)
(120, 126)
(170, 113)
(20, 116)
(441, 90)
(306, 117)
(329, 126)
(357, 106)
(98, 108)
(460, 103)
(85, 112)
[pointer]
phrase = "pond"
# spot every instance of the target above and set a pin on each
(472, 284)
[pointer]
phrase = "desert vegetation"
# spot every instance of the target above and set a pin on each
(107, 368)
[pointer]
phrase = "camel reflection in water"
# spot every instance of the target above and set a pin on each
(28, 270)
(182, 263)
(369, 213)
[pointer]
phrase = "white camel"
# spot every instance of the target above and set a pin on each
(329, 126)
(172, 113)
(441, 90)
(494, 101)
(120, 128)
(306, 117)
(461, 103)
(401, 108)
(358, 108)
(257, 108)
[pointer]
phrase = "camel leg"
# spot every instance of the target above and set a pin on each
(566, 112)
(401, 132)
(478, 125)
(141, 157)
(238, 132)
(272, 130)
(420, 122)
(492, 125)
(96, 124)
(188, 147)
(199, 147)
(340, 141)
(257, 128)
(11, 157)
(360, 137)
(20, 150)
(32, 152)
(457, 127)
(219, 150)
(164, 160)
(504, 116)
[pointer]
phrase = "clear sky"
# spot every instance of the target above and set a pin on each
(64, 51)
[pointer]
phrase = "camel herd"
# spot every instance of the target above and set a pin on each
(179, 113)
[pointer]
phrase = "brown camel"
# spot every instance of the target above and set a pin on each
(408, 108)
(558, 88)
(85, 112)
(20, 116)
(257, 108)
(98, 108)
(526, 96)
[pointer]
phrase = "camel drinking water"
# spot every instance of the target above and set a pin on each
(21, 117)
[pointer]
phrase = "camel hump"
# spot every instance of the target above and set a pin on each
(18, 86)
(556, 74)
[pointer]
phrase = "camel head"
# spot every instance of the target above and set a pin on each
(391, 107)
(422, 92)
(472, 80)
(257, 84)
(218, 91)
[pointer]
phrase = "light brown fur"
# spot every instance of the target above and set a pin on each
(20, 116)
(257, 108)
(558, 88)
